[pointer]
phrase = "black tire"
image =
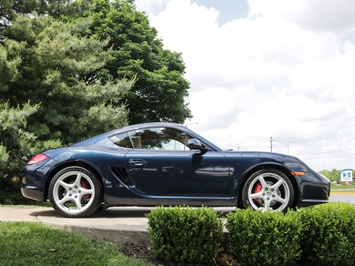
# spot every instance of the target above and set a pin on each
(75, 192)
(268, 189)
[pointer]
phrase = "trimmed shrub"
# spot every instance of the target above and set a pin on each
(328, 236)
(264, 238)
(185, 234)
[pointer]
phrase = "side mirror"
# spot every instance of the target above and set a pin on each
(195, 144)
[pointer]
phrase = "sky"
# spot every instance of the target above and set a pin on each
(262, 69)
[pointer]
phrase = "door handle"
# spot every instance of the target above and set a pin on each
(137, 162)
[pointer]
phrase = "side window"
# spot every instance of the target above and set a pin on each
(122, 140)
(159, 139)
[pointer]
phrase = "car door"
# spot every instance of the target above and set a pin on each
(162, 165)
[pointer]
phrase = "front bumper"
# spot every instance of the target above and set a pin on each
(315, 189)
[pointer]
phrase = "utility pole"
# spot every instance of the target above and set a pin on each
(285, 144)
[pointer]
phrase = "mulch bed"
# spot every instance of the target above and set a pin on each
(144, 254)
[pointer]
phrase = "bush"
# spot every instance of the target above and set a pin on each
(184, 234)
(328, 235)
(319, 235)
(264, 238)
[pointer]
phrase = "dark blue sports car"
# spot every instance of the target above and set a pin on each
(167, 164)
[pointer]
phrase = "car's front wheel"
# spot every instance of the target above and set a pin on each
(268, 189)
(75, 192)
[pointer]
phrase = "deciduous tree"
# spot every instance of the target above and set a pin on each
(160, 91)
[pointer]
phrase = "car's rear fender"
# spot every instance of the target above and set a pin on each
(82, 163)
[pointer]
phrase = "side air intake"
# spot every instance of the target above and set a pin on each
(122, 175)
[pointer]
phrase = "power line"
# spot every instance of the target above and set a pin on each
(326, 131)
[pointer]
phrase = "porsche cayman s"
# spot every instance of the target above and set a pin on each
(167, 164)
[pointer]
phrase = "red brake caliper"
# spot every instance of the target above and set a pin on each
(257, 188)
(85, 185)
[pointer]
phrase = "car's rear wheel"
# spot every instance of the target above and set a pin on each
(268, 189)
(75, 192)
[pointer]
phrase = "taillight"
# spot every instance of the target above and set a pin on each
(37, 159)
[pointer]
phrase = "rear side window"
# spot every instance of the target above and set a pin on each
(122, 140)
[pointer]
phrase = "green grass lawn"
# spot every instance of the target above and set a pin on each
(338, 187)
(25, 243)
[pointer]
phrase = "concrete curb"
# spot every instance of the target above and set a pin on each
(117, 225)
(140, 238)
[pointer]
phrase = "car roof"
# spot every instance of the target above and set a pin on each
(151, 124)
(105, 135)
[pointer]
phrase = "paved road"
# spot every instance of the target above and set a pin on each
(343, 197)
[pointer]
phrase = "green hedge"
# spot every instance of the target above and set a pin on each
(328, 235)
(184, 234)
(319, 235)
(264, 238)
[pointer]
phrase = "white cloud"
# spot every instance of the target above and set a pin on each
(151, 6)
(325, 15)
(286, 71)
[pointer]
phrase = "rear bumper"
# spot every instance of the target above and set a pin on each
(33, 179)
(32, 192)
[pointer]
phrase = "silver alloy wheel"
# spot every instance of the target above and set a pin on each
(268, 189)
(73, 192)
